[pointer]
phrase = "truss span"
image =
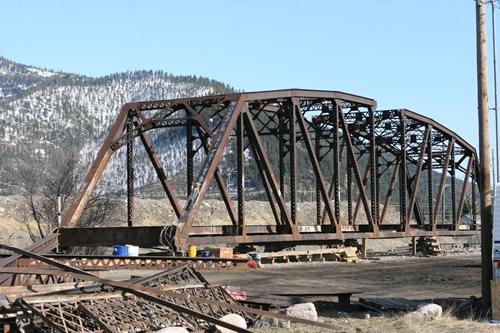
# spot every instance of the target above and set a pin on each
(328, 165)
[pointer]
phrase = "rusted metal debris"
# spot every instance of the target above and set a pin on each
(176, 297)
(108, 262)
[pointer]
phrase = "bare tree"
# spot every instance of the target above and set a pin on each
(43, 182)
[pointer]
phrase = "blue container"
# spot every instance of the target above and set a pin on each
(120, 250)
(205, 254)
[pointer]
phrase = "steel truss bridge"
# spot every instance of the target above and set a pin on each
(359, 157)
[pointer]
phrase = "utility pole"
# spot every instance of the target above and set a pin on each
(484, 154)
(495, 157)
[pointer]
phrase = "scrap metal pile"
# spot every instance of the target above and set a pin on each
(61, 298)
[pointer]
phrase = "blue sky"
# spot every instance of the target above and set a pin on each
(418, 55)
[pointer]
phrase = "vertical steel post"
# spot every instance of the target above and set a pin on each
(373, 166)
(240, 147)
(189, 157)
(484, 153)
(349, 190)
(453, 186)
(281, 153)
(130, 174)
(292, 150)
(430, 182)
(402, 173)
(317, 144)
(377, 165)
(336, 160)
(443, 209)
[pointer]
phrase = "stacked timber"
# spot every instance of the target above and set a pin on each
(429, 246)
(349, 255)
(346, 254)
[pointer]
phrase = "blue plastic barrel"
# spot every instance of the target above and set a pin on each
(120, 250)
(205, 254)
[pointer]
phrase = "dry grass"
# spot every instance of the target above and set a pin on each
(159, 212)
(445, 324)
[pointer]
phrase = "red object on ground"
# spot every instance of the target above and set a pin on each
(252, 264)
(236, 294)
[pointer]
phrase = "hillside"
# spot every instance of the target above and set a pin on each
(17, 79)
(43, 110)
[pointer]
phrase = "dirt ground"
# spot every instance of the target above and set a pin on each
(433, 278)
(405, 277)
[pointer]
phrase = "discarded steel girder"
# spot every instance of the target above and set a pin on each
(361, 161)
(104, 262)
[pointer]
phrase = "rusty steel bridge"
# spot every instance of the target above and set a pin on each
(362, 161)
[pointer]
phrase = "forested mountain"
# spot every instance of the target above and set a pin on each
(42, 111)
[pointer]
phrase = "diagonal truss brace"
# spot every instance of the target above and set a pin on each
(316, 166)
